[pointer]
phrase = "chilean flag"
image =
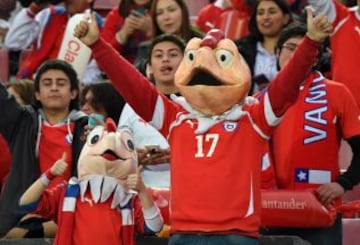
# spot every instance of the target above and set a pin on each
(312, 176)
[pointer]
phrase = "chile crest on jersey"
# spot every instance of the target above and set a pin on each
(230, 126)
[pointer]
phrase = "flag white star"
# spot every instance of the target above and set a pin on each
(301, 175)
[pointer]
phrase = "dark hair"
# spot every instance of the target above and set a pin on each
(104, 96)
(185, 31)
(296, 29)
(253, 28)
(64, 67)
(167, 38)
(25, 89)
(299, 29)
(125, 7)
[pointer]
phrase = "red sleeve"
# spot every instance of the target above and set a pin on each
(284, 90)
(129, 82)
(49, 202)
(112, 25)
(136, 89)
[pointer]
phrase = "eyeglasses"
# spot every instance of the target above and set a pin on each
(290, 46)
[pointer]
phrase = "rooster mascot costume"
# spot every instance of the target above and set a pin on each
(216, 133)
(98, 207)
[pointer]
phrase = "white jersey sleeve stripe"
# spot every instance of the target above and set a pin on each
(340, 24)
(270, 116)
(157, 120)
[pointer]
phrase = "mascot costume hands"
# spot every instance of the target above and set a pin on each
(216, 133)
(108, 201)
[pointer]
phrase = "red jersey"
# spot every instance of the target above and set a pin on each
(217, 159)
(54, 137)
(345, 46)
(305, 145)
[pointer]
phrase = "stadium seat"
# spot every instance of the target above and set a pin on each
(352, 195)
(194, 8)
(104, 6)
(351, 229)
(4, 65)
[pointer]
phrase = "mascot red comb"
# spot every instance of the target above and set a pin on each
(100, 206)
(216, 133)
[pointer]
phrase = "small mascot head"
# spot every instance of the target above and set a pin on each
(213, 76)
(108, 152)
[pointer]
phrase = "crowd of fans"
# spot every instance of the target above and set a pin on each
(152, 35)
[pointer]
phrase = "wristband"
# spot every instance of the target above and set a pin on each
(47, 177)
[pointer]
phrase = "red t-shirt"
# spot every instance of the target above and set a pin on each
(53, 143)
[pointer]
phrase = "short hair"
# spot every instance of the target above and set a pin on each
(178, 41)
(69, 72)
(297, 29)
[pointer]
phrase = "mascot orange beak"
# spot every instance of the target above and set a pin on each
(213, 76)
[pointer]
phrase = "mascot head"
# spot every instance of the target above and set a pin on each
(213, 76)
(108, 152)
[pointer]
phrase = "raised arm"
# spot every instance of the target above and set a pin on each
(131, 84)
(284, 90)
(33, 193)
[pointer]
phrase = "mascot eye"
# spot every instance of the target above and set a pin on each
(95, 135)
(224, 57)
(130, 144)
(128, 140)
(190, 55)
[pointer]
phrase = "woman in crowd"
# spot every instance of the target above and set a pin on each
(267, 20)
(169, 17)
(127, 25)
